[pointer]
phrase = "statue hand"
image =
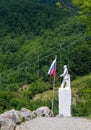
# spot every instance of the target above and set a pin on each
(60, 75)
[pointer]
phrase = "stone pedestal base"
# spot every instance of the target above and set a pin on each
(65, 102)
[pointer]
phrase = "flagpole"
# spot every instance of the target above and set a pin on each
(53, 89)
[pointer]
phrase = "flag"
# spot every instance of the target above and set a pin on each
(52, 70)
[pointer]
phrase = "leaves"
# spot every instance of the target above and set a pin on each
(58, 4)
(31, 34)
(85, 11)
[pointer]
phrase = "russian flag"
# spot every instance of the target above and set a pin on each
(52, 70)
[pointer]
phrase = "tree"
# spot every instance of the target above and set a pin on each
(84, 12)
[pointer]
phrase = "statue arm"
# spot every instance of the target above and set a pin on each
(65, 70)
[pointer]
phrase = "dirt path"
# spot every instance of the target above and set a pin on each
(56, 123)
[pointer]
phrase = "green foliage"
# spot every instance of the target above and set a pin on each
(84, 11)
(89, 116)
(31, 34)
(83, 57)
(83, 101)
(81, 97)
(58, 4)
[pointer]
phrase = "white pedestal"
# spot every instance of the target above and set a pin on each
(65, 102)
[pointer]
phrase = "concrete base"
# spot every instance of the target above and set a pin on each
(65, 102)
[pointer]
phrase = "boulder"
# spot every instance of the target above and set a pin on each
(25, 114)
(7, 124)
(33, 114)
(13, 115)
(10, 119)
(44, 111)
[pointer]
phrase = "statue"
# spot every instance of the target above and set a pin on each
(66, 78)
(64, 94)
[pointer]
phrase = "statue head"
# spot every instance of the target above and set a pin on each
(65, 66)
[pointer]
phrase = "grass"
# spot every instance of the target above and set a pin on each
(80, 82)
(89, 117)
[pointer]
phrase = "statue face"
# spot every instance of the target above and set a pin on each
(65, 66)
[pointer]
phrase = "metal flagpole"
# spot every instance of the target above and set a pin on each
(53, 89)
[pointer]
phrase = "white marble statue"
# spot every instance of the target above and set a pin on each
(66, 78)
(64, 94)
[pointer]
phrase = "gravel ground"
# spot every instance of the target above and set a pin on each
(56, 123)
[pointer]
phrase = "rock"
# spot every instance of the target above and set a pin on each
(7, 124)
(13, 115)
(10, 119)
(44, 111)
(25, 114)
(33, 114)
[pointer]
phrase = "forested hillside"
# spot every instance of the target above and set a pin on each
(32, 32)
